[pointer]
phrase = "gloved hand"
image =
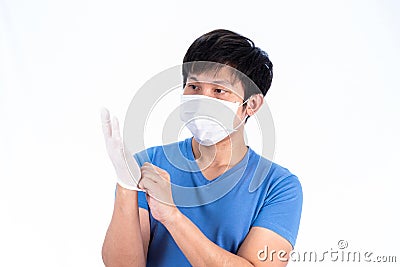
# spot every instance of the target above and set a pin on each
(115, 150)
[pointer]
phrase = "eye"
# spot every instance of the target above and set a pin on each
(220, 91)
(193, 87)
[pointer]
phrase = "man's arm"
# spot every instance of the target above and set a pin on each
(127, 238)
(200, 251)
(263, 247)
(123, 244)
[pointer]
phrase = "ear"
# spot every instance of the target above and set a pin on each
(254, 104)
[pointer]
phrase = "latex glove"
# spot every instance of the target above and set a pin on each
(115, 150)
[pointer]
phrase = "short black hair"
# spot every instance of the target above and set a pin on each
(239, 52)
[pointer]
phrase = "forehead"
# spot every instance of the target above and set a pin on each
(226, 77)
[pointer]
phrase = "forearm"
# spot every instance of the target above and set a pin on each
(198, 249)
(123, 245)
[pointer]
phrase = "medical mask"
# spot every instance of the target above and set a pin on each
(209, 119)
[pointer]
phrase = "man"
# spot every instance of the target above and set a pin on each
(239, 227)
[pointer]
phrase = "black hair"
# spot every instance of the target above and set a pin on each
(232, 49)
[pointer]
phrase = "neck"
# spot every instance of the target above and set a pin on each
(225, 153)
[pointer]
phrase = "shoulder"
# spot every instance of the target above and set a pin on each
(272, 176)
(281, 175)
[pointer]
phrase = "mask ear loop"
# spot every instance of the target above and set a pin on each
(244, 120)
(248, 116)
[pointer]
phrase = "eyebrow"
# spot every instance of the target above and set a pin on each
(220, 82)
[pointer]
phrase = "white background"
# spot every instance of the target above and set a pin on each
(334, 99)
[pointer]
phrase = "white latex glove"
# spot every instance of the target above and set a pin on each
(115, 150)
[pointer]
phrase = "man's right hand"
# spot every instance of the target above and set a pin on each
(115, 150)
(127, 238)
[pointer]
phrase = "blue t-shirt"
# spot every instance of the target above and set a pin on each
(254, 192)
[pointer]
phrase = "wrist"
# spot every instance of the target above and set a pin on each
(126, 201)
(125, 193)
(174, 218)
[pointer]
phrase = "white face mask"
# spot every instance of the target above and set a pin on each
(209, 119)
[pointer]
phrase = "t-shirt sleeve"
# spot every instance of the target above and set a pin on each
(281, 210)
(142, 157)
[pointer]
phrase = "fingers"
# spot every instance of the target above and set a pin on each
(146, 184)
(115, 128)
(110, 127)
(151, 174)
(106, 123)
(156, 169)
(156, 183)
(147, 172)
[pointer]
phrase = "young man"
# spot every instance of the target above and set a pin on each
(239, 227)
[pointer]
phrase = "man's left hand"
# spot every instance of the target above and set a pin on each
(156, 183)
